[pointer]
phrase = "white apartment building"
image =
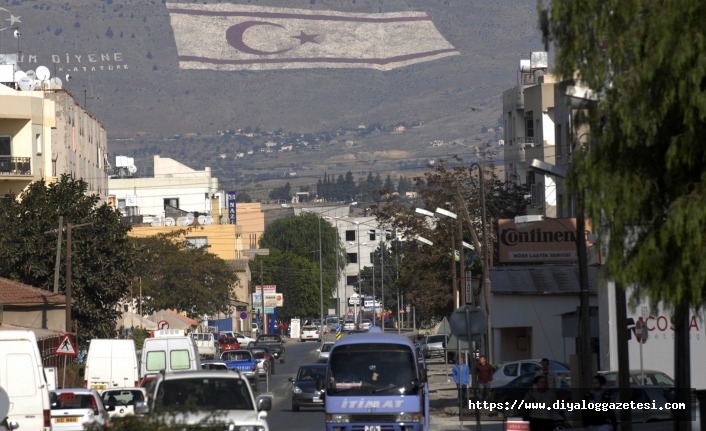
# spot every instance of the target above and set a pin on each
(175, 190)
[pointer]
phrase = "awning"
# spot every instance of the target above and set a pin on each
(539, 279)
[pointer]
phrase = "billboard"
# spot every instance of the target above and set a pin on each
(232, 207)
(550, 240)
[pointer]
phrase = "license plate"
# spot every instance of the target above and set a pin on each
(318, 400)
(98, 386)
(371, 428)
(65, 420)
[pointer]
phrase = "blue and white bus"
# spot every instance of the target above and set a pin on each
(375, 382)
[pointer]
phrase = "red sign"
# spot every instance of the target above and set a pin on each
(163, 324)
(517, 426)
(638, 331)
(66, 347)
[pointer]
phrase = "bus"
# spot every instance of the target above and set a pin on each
(376, 381)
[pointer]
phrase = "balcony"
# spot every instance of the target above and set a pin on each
(15, 166)
(525, 141)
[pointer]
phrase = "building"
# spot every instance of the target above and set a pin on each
(223, 240)
(529, 132)
(31, 307)
(44, 134)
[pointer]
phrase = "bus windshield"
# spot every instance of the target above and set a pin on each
(372, 369)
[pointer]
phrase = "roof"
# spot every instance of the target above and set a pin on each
(39, 333)
(539, 279)
(374, 337)
(16, 293)
(191, 322)
(237, 265)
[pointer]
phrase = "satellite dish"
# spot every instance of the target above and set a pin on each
(202, 219)
(26, 84)
(155, 222)
(17, 34)
(169, 221)
(181, 221)
(68, 77)
(209, 220)
(56, 82)
(132, 169)
(19, 74)
(42, 73)
(31, 74)
(190, 218)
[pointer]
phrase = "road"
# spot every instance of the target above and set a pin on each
(281, 417)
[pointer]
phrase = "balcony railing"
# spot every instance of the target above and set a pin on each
(15, 165)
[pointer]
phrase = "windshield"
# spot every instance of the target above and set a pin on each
(311, 373)
(370, 369)
(326, 347)
(269, 338)
(259, 354)
(236, 356)
(203, 394)
(122, 397)
(70, 400)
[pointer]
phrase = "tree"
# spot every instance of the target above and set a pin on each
(389, 186)
(281, 193)
(641, 167)
(244, 197)
(179, 276)
(102, 257)
(296, 278)
(299, 235)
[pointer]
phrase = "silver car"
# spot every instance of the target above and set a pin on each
(434, 345)
(120, 402)
(76, 409)
(508, 371)
(325, 350)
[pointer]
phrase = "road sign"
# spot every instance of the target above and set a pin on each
(402, 311)
(66, 347)
(475, 324)
(350, 312)
(243, 315)
(162, 324)
(641, 332)
(338, 336)
(408, 309)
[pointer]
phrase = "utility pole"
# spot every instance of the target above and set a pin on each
(382, 278)
(141, 303)
(58, 255)
(462, 281)
(321, 279)
(584, 315)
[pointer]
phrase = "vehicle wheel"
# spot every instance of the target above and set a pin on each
(295, 407)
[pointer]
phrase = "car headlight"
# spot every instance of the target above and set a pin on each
(296, 390)
(337, 418)
(408, 417)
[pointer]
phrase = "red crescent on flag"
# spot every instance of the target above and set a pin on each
(234, 36)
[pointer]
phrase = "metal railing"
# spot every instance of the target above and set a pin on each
(525, 140)
(15, 165)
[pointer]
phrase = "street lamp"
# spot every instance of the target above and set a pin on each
(423, 241)
(584, 319)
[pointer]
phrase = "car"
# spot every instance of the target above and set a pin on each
(245, 363)
(322, 360)
(434, 345)
(77, 409)
(517, 389)
(213, 365)
(263, 355)
(356, 331)
(348, 325)
(304, 392)
(255, 329)
(652, 378)
(325, 349)
(111, 363)
(654, 395)
(207, 345)
(310, 333)
(275, 345)
(217, 396)
(365, 324)
(228, 343)
(120, 402)
(242, 339)
(510, 370)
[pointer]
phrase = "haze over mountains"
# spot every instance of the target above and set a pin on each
(123, 54)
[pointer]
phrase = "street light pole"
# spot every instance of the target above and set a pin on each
(360, 278)
(321, 280)
(382, 277)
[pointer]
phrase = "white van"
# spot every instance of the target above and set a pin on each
(22, 378)
(169, 351)
(111, 364)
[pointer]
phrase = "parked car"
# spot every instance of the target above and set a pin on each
(242, 339)
(111, 364)
(255, 330)
(517, 388)
(263, 355)
(310, 333)
(322, 360)
(434, 345)
(647, 394)
(652, 378)
(508, 371)
(304, 392)
(22, 369)
(228, 343)
(325, 349)
(208, 346)
(274, 344)
(365, 324)
(348, 325)
(219, 396)
(76, 409)
(120, 402)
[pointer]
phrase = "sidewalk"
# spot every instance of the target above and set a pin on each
(443, 402)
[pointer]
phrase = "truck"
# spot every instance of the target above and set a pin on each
(658, 347)
(274, 343)
(374, 381)
(207, 344)
(244, 362)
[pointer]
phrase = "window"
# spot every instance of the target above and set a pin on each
(529, 131)
(568, 139)
(539, 131)
(510, 369)
(559, 205)
(53, 168)
(156, 361)
(179, 359)
(350, 235)
(353, 257)
(122, 206)
(372, 235)
(197, 241)
(530, 178)
(38, 140)
(172, 202)
(558, 139)
(529, 367)
(5, 146)
(351, 280)
(372, 257)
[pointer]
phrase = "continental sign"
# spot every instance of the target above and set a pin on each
(551, 240)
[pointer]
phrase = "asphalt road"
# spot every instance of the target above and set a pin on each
(281, 417)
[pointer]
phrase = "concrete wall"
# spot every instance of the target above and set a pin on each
(194, 194)
(223, 240)
(170, 168)
(45, 317)
(252, 220)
